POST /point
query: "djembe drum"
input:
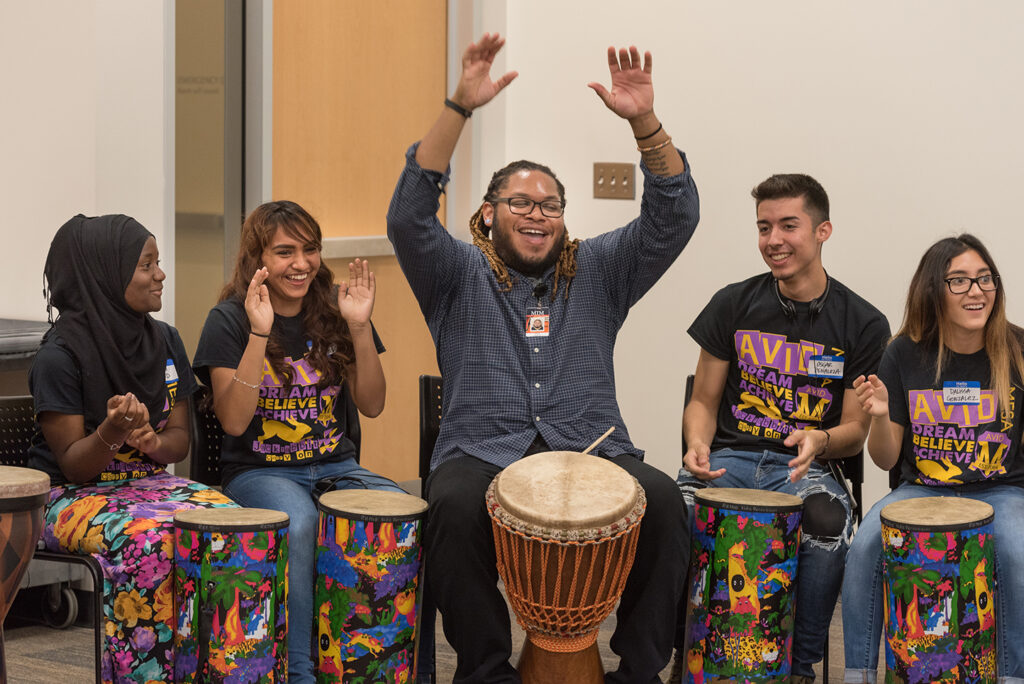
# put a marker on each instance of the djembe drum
(938, 560)
(367, 585)
(23, 494)
(231, 595)
(743, 569)
(565, 533)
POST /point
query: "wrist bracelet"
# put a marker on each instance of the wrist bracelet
(243, 382)
(466, 113)
(654, 148)
(253, 332)
(113, 447)
(649, 135)
(828, 442)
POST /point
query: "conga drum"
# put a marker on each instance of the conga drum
(231, 595)
(368, 558)
(743, 567)
(938, 560)
(565, 533)
(23, 494)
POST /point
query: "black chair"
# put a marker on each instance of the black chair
(849, 472)
(17, 424)
(207, 435)
(430, 425)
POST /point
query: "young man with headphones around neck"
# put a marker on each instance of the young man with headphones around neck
(773, 391)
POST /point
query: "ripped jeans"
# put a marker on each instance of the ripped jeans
(827, 529)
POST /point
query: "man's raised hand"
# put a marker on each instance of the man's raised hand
(475, 86)
(632, 92)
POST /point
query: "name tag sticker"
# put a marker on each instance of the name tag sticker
(961, 392)
(825, 366)
(171, 373)
(538, 322)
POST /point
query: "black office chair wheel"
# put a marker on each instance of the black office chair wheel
(59, 606)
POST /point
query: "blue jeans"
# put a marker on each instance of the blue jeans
(862, 586)
(822, 547)
(290, 489)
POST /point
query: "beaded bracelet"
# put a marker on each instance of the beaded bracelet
(243, 382)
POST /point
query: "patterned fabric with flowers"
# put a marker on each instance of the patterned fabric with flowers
(129, 528)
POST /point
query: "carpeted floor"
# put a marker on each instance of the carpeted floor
(38, 654)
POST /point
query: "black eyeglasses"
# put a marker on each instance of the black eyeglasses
(963, 284)
(524, 205)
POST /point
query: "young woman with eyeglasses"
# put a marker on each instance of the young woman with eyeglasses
(955, 339)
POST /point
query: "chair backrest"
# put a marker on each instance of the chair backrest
(17, 424)
(430, 420)
(207, 435)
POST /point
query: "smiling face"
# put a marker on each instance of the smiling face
(292, 263)
(529, 243)
(145, 290)
(965, 315)
(790, 243)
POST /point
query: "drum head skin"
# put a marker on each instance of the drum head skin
(566, 490)
(372, 505)
(756, 500)
(22, 489)
(230, 519)
(937, 514)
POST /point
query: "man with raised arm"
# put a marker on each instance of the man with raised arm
(773, 395)
(513, 388)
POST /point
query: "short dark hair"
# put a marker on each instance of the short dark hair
(786, 185)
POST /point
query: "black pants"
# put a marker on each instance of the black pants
(462, 575)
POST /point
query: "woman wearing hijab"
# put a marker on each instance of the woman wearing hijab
(111, 386)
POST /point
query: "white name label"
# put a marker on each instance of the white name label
(962, 392)
(825, 366)
(171, 373)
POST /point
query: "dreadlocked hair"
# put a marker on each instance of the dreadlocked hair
(565, 268)
(332, 348)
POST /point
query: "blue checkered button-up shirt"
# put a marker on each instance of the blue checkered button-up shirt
(502, 388)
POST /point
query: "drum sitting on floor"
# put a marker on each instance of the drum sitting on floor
(938, 560)
(743, 568)
(565, 533)
(367, 584)
(230, 595)
(23, 494)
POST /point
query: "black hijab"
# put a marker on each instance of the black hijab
(119, 350)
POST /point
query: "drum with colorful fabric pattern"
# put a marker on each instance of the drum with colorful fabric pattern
(231, 595)
(367, 585)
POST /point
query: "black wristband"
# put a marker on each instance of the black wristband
(651, 135)
(253, 332)
(458, 108)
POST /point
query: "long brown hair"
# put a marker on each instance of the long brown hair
(332, 343)
(923, 320)
(565, 268)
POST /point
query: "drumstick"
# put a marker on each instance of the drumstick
(599, 439)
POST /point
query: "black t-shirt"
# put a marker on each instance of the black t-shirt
(787, 370)
(947, 443)
(293, 423)
(55, 381)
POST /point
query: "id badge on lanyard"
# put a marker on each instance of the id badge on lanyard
(538, 321)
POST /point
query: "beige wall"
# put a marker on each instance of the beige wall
(909, 114)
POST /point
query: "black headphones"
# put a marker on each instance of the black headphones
(815, 306)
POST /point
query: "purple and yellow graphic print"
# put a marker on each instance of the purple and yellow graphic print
(957, 443)
(367, 576)
(940, 623)
(744, 567)
(230, 596)
(296, 419)
(777, 395)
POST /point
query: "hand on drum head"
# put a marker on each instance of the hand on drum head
(809, 443)
(873, 396)
(698, 461)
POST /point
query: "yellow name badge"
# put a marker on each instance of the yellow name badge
(538, 322)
